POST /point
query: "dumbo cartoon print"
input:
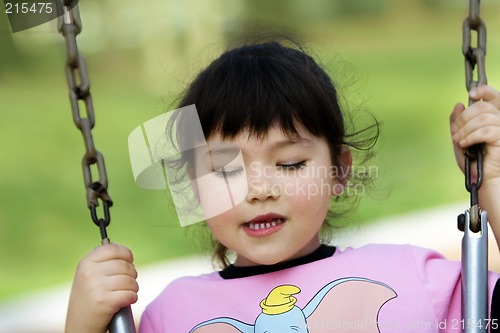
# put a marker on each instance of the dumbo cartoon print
(335, 308)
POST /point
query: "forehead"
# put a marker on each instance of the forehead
(274, 138)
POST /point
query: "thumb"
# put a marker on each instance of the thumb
(458, 109)
(454, 127)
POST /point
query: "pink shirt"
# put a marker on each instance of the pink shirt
(376, 288)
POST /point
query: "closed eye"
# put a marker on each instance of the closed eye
(292, 166)
(295, 328)
(225, 172)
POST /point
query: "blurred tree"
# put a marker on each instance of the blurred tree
(444, 4)
(299, 15)
(271, 15)
(360, 7)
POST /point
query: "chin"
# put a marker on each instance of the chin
(271, 262)
(261, 260)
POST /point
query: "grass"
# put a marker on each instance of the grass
(408, 78)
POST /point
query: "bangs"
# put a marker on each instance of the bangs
(257, 87)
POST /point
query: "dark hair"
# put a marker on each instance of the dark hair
(258, 85)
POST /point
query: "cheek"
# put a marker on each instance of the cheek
(309, 188)
(221, 226)
(309, 194)
(217, 195)
(216, 228)
(208, 192)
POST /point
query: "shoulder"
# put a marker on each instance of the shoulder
(393, 252)
(188, 301)
(186, 284)
(409, 261)
(174, 292)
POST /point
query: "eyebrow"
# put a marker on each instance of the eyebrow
(217, 158)
(223, 150)
(290, 142)
(276, 145)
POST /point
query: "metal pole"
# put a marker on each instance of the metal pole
(475, 276)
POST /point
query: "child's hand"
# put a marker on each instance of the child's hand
(478, 123)
(105, 282)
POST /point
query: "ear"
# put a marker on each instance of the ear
(217, 328)
(344, 171)
(348, 300)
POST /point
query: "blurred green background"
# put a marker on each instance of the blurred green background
(401, 60)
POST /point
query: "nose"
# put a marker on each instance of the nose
(262, 184)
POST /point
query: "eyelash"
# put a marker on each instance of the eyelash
(293, 166)
(225, 173)
(287, 167)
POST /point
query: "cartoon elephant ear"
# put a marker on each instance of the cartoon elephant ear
(348, 301)
(217, 328)
(223, 325)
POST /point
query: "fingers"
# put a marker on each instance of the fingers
(478, 123)
(111, 251)
(119, 291)
(105, 282)
(117, 267)
(487, 94)
(481, 127)
(108, 276)
(108, 260)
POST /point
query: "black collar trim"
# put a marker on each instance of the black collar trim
(234, 272)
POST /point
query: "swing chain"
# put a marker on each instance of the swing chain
(70, 25)
(474, 59)
(474, 55)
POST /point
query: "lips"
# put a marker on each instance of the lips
(264, 225)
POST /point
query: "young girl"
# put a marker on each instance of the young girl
(281, 110)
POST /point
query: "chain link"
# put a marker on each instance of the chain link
(474, 55)
(70, 25)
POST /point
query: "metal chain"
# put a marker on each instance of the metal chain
(474, 59)
(70, 25)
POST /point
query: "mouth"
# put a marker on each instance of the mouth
(263, 225)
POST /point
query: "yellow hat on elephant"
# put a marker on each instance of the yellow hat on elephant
(280, 300)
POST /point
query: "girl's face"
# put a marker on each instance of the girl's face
(266, 199)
